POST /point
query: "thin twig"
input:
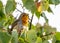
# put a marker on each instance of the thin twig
(47, 34)
(21, 6)
(31, 22)
(19, 10)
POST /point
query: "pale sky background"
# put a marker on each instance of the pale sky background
(54, 20)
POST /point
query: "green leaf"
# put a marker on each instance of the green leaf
(2, 19)
(2, 15)
(28, 3)
(39, 40)
(49, 29)
(54, 40)
(45, 41)
(57, 36)
(58, 41)
(31, 36)
(10, 6)
(39, 29)
(43, 15)
(4, 37)
(45, 5)
(50, 36)
(51, 1)
(23, 35)
(14, 37)
(49, 10)
(1, 6)
(9, 20)
(33, 9)
(33, 27)
(55, 2)
(1, 23)
(21, 40)
(38, 14)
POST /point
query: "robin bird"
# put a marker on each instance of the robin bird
(20, 23)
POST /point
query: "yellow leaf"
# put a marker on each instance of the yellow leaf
(40, 9)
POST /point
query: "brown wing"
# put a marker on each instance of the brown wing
(13, 25)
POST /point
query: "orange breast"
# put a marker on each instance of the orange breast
(25, 19)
